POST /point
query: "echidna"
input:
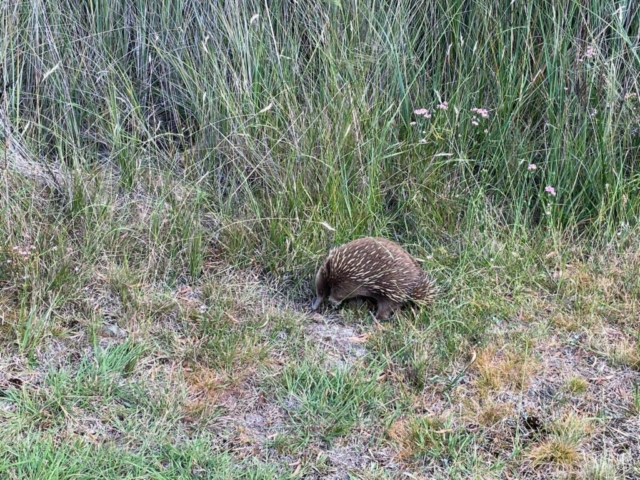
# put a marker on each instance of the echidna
(376, 268)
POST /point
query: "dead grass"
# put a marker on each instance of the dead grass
(508, 367)
(555, 453)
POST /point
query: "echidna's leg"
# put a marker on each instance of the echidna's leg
(385, 308)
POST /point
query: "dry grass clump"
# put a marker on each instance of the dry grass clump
(420, 436)
(487, 412)
(559, 445)
(619, 348)
(508, 367)
(554, 452)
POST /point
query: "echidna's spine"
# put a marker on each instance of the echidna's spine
(425, 291)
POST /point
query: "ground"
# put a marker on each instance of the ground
(231, 372)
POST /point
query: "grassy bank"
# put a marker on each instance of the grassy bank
(173, 172)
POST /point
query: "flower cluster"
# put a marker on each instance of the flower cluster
(483, 114)
(480, 114)
(423, 112)
(548, 189)
(480, 111)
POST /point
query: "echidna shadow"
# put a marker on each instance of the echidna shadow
(375, 268)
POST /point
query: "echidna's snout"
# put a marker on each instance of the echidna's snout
(316, 303)
(319, 299)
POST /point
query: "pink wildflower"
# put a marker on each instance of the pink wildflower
(532, 166)
(421, 111)
(481, 111)
(473, 122)
(550, 190)
(443, 105)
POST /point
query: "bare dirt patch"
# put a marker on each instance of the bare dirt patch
(341, 343)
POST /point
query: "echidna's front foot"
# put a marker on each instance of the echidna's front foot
(385, 308)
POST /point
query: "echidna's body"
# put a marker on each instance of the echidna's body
(376, 268)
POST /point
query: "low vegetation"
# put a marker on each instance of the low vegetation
(174, 172)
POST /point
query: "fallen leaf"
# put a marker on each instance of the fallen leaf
(360, 339)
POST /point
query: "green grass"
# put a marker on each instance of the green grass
(38, 457)
(172, 174)
(330, 403)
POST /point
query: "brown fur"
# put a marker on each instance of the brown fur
(376, 268)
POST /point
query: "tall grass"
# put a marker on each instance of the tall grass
(286, 115)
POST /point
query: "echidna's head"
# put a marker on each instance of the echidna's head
(323, 287)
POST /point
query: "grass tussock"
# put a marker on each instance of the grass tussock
(173, 173)
(497, 369)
